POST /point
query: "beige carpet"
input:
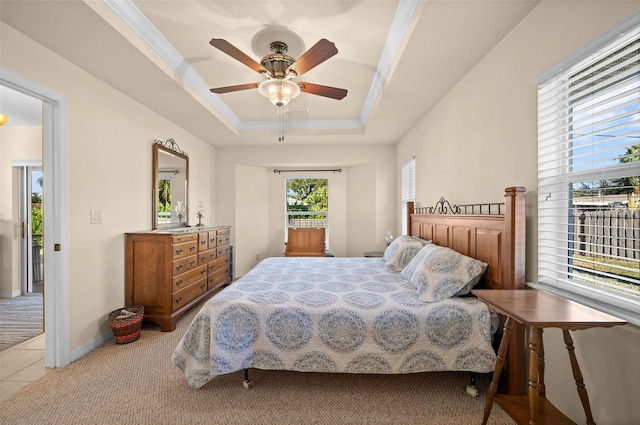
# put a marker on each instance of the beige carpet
(136, 384)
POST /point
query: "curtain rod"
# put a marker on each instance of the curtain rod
(334, 170)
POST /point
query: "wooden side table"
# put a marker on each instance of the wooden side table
(537, 310)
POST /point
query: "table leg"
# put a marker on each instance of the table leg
(534, 336)
(541, 387)
(502, 350)
(577, 375)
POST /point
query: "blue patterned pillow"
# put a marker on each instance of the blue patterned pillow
(400, 252)
(438, 273)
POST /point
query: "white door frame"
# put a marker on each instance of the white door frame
(25, 168)
(56, 215)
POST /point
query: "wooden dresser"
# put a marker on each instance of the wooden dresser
(168, 272)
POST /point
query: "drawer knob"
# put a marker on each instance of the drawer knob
(179, 282)
(203, 271)
(179, 251)
(191, 248)
(178, 300)
(192, 262)
(179, 267)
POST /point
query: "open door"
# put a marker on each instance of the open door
(31, 230)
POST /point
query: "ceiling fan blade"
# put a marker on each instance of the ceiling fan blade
(326, 91)
(228, 89)
(237, 54)
(318, 53)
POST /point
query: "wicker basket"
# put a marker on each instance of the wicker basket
(126, 328)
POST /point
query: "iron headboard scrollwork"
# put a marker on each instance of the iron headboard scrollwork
(444, 207)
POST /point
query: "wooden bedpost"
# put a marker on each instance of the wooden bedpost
(515, 232)
(514, 204)
(410, 209)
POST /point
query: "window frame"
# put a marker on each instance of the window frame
(287, 213)
(619, 305)
(407, 190)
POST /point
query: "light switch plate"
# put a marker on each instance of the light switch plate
(96, 217)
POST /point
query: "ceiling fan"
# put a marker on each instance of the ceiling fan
(280, 68)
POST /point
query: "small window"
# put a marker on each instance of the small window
(307, 203)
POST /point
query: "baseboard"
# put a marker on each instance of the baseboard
(90, 346)
(12, 294)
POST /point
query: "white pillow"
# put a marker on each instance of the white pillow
(424, 242)
(400, 252)
(438, 273)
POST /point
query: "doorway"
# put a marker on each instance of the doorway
(55, 215)
(21, 290)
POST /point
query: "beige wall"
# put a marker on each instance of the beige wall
(487, 127)
(110, 140)
(16, 144)
(359, 193)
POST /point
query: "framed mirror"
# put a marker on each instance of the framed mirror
(170, 185)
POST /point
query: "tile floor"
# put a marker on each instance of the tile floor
(20, 365)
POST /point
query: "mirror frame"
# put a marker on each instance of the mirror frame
(170, 147)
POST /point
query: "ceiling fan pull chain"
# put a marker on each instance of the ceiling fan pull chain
(281, 124)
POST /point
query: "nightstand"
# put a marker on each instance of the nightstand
(374, 254)
(537, 310)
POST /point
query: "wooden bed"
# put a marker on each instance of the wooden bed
(355, 315)
(494, 234)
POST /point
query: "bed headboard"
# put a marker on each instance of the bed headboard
(494, 234)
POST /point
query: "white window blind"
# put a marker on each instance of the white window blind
(408, 189)
(589, 178)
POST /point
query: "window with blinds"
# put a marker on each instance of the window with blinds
(589, 176)
(408, 189)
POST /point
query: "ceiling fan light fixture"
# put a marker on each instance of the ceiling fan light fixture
(279, 92)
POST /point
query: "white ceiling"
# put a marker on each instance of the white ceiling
(395, 58)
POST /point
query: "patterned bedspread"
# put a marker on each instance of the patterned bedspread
(321, 314)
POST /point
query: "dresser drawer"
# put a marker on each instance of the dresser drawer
(203, 241)
(189, 293)
(223, 239)
(221, 276)
(207, 256)
(213, 235)
(185, 279)
(183, 265)
(223, 250)
(185, 249)
(219, 263)
(211, 280)
(184, 238)
(224, 231)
